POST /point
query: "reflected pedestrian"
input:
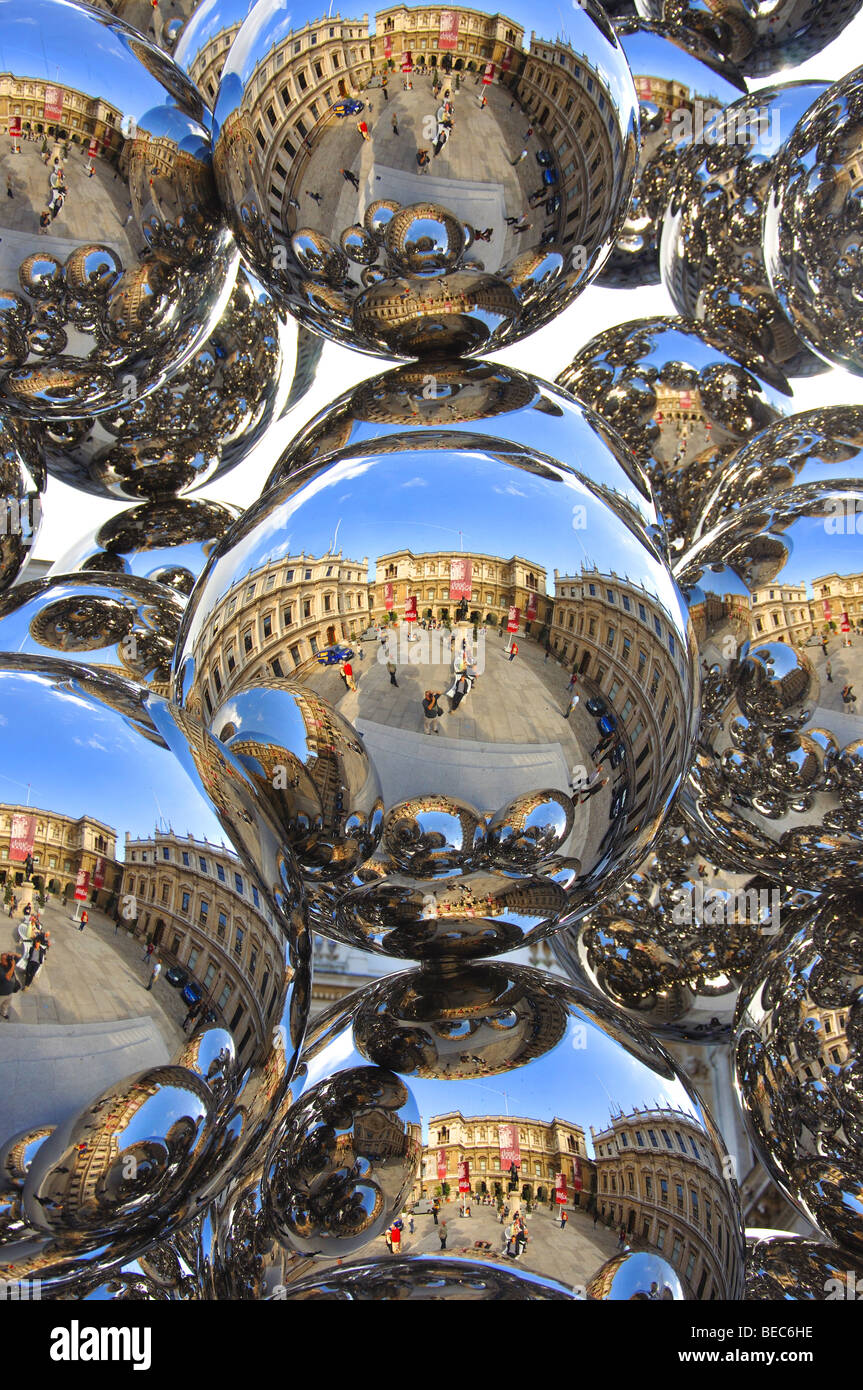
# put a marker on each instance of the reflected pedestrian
(442, 1234)
(395, 124)
(350, 177)
(432, 712)
(391, 667)
(155, 973)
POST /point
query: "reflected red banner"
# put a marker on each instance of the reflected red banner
(460, 578)
(560, 1190)
(512, 620)
(389, 599)
(530, 611)
(448, 35)
(53, 109)
(464, 1176)
(23, 837)
(82, 885)
(441, 1164)
(507, 1138)
(411, 609)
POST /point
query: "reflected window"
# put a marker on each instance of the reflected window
(222, 925)
(184, 905)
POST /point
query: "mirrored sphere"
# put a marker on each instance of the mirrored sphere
(681, 81)
(780, 1266)
(711, 259)
(417, 577)
(684, 397)
(167, 541)
(512, 1070)
(125, 625)
(438, 402)
(311, 769)
(809, 450)
(107, 761)
(344, 1163)
(426, 1279)
(673, 944)
(812, 225)
(773, 596)
(524, 129)
(762, 36)
(797, 1063)
(119, 228)
(255, 365)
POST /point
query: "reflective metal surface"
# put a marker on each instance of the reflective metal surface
(710, 255)
(254, 366)
(125, 625)
(516, 133)
(763, 36)
(115, 257)
(109, 1148)
(681, 81)
(684, 397)
(672, 946)
(22, 480)
(167, 540)
(781, 1267)
(773, 596)
(457, 402)
(797, 1062)
(805, 451)
(578, 1079)
(811, 225)
(343, 580)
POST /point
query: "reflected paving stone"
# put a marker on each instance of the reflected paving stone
(78, 732)
(443, 145)
(812, 225)
(774, 786)
(763, 36)
(130, 249)
(710, 255)
(797, 1065)
(684, 396)
(585, 794)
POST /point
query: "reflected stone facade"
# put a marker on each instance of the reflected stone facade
(545, 1149)
(64, 847)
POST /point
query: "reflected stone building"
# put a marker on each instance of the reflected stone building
(195, 900)
(277, 619)
(656, 1177)
(544, 1151)
(64, 847)
(496, 585)
(59, 113)
(619, 638)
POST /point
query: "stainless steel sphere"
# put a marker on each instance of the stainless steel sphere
(255, 365)
(522, 128)
(673, 944)
(762, 36)
(797, 1062)
(811, 450)
(681, 81)
(310, 768)
(812, 225)
(100, 753)
(684, 397)
(492, 1060)
(710, 254)
(167, 541)
(121, 146)
(344, 1163)
(349, 578)
(459, 400)
(123, 624)
(784, 1267)
(774, 596)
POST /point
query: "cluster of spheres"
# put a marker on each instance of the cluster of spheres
(375, 853)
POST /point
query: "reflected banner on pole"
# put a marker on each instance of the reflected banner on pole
(560, 1190)
(23, 837)
(82, 885)
(464, 1175)
(460, 578)
(509, 1150)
